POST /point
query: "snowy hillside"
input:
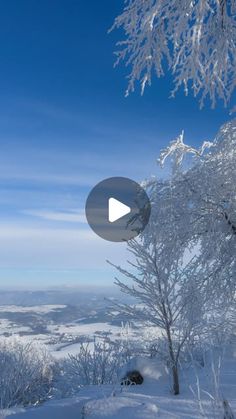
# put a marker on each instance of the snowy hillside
(150, 400)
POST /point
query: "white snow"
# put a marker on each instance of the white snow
(89, 329)
(150, 400)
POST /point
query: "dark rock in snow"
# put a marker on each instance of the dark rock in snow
(132, 378)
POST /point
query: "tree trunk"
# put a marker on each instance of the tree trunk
(174, 361)
(175, 376)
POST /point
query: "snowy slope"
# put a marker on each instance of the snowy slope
(150, 400)
(99, 403)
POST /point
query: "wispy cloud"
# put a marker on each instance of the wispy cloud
(72, 216)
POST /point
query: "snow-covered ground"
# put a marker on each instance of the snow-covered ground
(150, 400)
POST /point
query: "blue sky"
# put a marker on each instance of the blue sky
(65, 125)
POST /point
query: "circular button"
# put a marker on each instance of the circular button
(118, 209)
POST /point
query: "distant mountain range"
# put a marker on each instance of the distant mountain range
(68, 296)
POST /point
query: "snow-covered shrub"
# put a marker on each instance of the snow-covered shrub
(25, 374)
(207, 384)
(95, 364)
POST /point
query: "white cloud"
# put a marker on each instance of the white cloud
(72, 216)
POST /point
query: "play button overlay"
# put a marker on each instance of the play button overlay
(118, 209)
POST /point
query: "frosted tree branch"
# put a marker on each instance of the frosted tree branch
(196, 40)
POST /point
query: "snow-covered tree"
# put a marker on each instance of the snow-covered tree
(165, 288)
(204, 206)
(185, 269)
(195, 39)
(202, 195)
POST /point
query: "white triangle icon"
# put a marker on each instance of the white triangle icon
(117, 210)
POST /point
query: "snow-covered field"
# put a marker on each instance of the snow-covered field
(46, 324)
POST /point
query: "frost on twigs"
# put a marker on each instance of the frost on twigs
(178, 149)
(196, 40)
